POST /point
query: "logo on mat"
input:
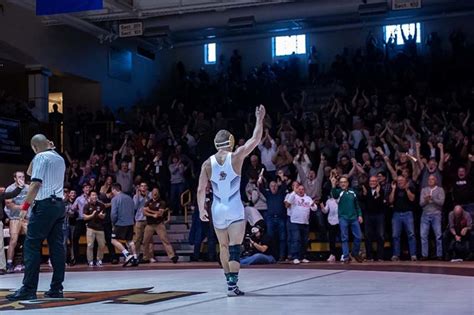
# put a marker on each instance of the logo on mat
(222, 175)
(141, 296)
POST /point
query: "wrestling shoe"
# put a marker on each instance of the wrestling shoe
(21, 295)
(128, 260)
(234, 291)
(10, 268)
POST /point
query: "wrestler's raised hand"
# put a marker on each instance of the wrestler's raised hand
(260, 113)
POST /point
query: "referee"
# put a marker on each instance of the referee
(46, 221)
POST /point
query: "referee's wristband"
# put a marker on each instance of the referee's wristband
(25, 206)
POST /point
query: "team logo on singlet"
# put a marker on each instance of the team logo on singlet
(222, 175)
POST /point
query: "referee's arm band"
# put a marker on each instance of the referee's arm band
(37, 180)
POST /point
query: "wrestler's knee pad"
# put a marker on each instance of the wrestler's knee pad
(234, 253)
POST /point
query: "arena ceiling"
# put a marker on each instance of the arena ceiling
(176, 21)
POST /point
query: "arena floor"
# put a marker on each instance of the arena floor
(316, 288)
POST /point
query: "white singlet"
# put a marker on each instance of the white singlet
(227, 204)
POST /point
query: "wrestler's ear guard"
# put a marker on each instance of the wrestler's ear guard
(226, 144)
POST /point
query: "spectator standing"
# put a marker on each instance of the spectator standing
(300, 206)
(106, 199)
(268, 149)
(141, 197)
(402, 197)
(350, 216)
(69, 222)
(124, 175)
(80, 229)
(431, 201)
(463, 189)
(373, 200)
(94, 215)
(177, 181)
(331, 209)
(157, 215)
(432, 167)
(122, 215)
(275, 218)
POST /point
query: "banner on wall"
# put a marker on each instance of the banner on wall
(406, 4)
(10, 136)
(49, 7)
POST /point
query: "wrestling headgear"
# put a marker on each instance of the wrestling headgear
(224, 140)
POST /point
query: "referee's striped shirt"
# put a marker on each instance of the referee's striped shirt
(48, 169)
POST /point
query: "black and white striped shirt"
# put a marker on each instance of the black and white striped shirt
(48, 169)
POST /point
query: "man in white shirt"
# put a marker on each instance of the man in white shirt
(46, 221)
(300, 206)
(294, 187)
(268, 149)
(331, 209)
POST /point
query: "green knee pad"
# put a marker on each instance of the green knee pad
(234, 253)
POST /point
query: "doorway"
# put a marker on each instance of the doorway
(58, 132)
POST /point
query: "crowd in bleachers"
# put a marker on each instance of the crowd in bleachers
(387, 156)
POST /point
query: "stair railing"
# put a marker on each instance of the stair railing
(186, 200)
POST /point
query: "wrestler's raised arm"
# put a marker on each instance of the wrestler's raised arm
(243, 151)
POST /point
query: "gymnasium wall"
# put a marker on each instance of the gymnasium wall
(329, 42)
(68, 51)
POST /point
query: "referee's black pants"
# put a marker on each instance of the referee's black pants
(46, 222)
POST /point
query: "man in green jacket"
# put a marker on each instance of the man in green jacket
(350, 215)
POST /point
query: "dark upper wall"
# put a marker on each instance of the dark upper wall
(67, 50)
(329, 42)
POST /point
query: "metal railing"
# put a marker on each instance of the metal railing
(186, 200)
